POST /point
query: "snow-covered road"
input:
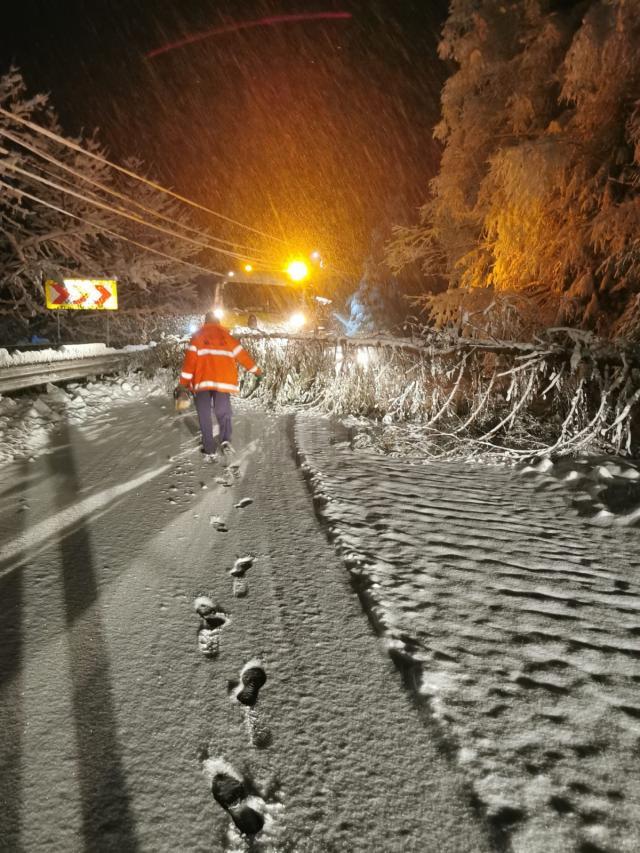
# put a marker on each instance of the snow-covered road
(514, 597)
(106, 701)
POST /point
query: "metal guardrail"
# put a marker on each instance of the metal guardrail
(18, 376)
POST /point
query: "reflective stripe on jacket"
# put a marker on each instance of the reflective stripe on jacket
(210, 361)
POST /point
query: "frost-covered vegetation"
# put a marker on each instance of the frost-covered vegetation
(568, 392)
(64, 234)
(538, 195)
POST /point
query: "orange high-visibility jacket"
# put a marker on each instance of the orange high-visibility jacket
(210, 361)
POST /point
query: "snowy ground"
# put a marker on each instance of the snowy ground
(513, 598)
(28, 420)
(111, 525)
(508, 599)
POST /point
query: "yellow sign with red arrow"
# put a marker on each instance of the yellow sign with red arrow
(78, 294)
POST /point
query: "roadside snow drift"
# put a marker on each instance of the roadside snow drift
(519, 616)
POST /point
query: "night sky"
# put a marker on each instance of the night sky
(320, 131)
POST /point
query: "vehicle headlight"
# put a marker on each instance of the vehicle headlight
(296, 321)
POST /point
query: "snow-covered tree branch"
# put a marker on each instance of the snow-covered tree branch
(566, 393)
(540, 174)
(72, 231)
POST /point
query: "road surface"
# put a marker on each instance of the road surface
(106, 701)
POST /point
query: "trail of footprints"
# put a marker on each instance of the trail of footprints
(252, 812)
(236, 794)
(179, 493)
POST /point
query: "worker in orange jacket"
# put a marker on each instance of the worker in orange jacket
(210, 371)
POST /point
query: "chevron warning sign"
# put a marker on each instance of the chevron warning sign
(94, 294)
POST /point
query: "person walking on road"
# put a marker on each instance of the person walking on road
(210, 371)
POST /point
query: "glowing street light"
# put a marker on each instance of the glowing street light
(230, 274)
(248, 268)
(218, 312)
(297, 270)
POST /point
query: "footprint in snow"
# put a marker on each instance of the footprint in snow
(243, 503)
(252, 678)
(242, 566)
(246, 693)
(238, 572)
(235, 470)
(212, 621)
(224, 481)
(231, 791)
(240, 588)
(218, 523)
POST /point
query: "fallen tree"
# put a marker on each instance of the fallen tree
(568, 392)
(442, 397)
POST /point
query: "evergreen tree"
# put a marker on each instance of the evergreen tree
(538, 187)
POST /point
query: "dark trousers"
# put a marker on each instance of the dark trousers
(209, 403)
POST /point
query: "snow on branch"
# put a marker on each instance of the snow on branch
(561, 394)
(57, 218)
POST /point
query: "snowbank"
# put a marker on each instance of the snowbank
(516, 617)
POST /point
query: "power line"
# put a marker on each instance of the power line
(122, 196)
(95, 225)
(133, 217)
(62, 141)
